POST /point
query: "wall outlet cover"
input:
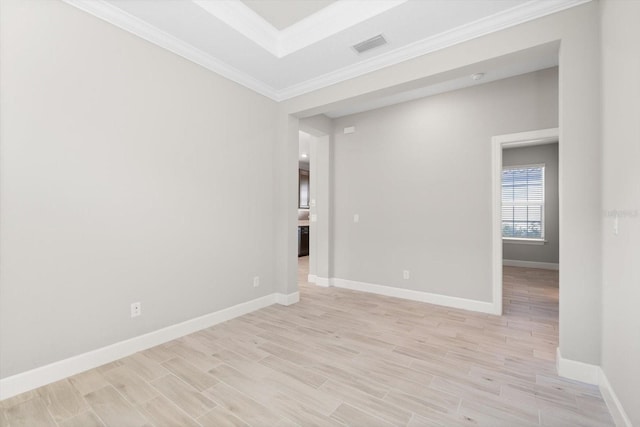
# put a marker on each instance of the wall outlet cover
(136, 309)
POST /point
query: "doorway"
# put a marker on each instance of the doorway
(521, 216)
(305, 197)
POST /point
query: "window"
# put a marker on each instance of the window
(523, 202)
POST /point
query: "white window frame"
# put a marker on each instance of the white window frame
(528, 240)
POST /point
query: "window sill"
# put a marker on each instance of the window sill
(524, 241)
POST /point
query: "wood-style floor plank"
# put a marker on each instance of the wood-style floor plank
(339, 358)
(163, 413)
(62, 400)
(184, 396)
(114, 410)
(29, 413)
(85, 419)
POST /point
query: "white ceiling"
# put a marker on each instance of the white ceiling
(284, 13)
(284, 48)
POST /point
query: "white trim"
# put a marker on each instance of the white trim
(517, 15)
(498, 142)
(574, 370)
(329, 21)
(320, 281)
(534, 137)
(616, 409)
(325, 23)
(593, 374)
(116, 16)
(516, 241)
(525, 12)
(244, 20)
(496, 218)
(288, 299)
(438, 299)
(56, 371)
(531, 264)
(525, 166)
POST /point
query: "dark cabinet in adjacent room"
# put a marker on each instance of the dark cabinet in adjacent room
(303, 240)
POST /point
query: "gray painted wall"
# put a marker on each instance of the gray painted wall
(419, 176)
(576, 30)
(547, 154)
(124, 178)
(621, 188)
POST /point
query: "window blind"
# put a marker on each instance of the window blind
(523, 202)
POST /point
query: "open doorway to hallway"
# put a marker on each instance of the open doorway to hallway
(525, 204)
(305, 202)
(530, 239)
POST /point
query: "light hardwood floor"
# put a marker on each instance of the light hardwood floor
(339, 358)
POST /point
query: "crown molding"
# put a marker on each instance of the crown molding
(241, 18)
(329, 21)
(116, 16)
(325, 23)
(528, 11)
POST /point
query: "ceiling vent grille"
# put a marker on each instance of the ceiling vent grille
(368, 44)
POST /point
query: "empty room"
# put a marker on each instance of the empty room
(319, 212)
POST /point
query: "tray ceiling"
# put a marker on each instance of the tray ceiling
(285, 48)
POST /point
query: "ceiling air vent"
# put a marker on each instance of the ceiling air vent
(370, 43)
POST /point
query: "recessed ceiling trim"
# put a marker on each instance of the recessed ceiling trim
(244, 20)
(499, 21)
(323, 24)
(331, 20)
(116, 16)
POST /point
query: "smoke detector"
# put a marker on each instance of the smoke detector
(477, 76)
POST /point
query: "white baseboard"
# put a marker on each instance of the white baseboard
(530, 264)
(288, 299)
(56, 371)
(574, 370)
(618, 413)
(445, 300)
(593, 374)
(320, 281)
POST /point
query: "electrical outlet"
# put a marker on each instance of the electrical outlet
(136, 309)
(256, 281)
(406, 274)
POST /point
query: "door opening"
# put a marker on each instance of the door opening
(519, 212)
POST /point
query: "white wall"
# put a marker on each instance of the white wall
(127, 174)
(576, 31)
(621, 188)
(549, 251)
(418, 174)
